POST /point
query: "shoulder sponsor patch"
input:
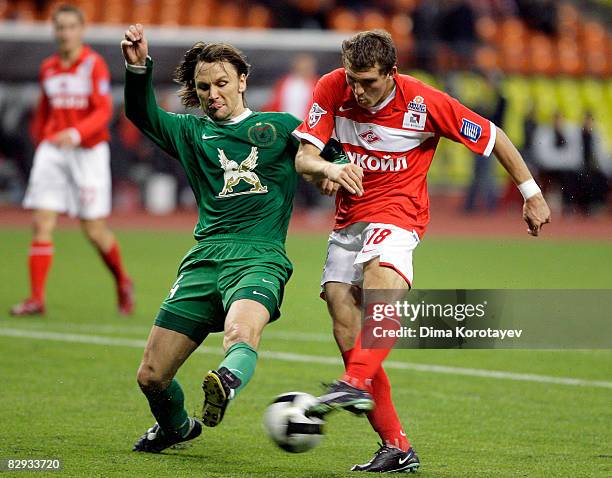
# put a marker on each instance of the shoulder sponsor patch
(414, 120)
(314, 115)
(470, 130)
(417, 104)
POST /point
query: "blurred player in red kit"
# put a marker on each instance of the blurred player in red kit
(389, 125)
(71, 170)
(293, 92)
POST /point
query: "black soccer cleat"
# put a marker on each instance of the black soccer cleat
(342, 396)
(218, 386)
(154, 441)
(391, 460)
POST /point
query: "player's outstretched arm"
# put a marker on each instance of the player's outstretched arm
(535, 210)
(141, 107)
(309, 164)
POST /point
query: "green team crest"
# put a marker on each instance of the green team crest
(235, 173)
(262, 134)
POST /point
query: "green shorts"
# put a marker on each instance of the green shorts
(218, 271)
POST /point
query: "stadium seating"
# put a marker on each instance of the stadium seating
(582, 46)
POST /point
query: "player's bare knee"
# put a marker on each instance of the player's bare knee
(149, 379)
(236, 333)
(42, 235)
(42, 228)
(93, 231)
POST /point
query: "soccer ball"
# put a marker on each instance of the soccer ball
(288, 426)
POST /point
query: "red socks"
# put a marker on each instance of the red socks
(112, 259)
(363, 365)
(41, 256)
(383, 418)
(371, 347)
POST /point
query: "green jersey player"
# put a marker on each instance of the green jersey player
(240, 165)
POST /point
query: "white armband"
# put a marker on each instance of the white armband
(529, 188)
(138, 69)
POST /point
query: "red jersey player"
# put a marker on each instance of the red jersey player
(71, 170)
(389, 126)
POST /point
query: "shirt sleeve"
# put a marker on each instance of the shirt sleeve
(318, 126)
(100, 101)
(163, 128)
(334, 153)
(458, 123)
(39, 119)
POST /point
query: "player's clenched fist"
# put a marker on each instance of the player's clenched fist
(347, 175)
(134, 45)
(536, 213)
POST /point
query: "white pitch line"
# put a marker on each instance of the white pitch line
(291, 357)
(144, 330)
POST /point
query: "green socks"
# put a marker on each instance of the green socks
(168, 409)
(168, 406)
(240, 360)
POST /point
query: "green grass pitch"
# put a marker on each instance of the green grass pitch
(61, 398)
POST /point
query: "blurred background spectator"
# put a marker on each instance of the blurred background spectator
(457, 30)
(293, 93)
(492, 105)
(558, 158)
(595, 171)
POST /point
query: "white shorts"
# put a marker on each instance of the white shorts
(349, 248)
(75, 181)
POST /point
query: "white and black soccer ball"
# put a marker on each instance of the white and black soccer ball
(288, 426)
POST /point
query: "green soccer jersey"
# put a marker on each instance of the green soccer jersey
(241, 171)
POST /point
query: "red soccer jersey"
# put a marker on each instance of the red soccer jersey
(393, 143)
(77, 96)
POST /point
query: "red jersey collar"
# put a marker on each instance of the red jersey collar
(400, 102)
(85, 51)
